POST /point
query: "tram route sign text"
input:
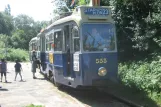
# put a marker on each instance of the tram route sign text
(96, 11)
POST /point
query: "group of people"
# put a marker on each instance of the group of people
(18, 68)
(3, 69)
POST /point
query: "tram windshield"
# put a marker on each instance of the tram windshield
(98, 37)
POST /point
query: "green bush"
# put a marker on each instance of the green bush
(13, 54)
(142, 75)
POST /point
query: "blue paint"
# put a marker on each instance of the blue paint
(43, 60)
(58, 60)
(90, 68)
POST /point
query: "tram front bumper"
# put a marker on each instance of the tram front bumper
(104, 83)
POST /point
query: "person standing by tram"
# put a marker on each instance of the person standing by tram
(34, 63)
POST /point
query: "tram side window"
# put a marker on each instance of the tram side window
(47, 43)
(58, 41)
(30, 47)
(76, 39)
(42, 44)
(48, 46)
(34, 46)
(38, 45)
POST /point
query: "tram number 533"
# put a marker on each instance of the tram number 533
(101, 61)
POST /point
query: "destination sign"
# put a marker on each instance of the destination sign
(96, 11)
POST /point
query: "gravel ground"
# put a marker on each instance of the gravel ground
(42, 92)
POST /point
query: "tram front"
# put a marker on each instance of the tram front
(99, 64)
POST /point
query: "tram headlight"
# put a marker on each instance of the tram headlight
(102, 71)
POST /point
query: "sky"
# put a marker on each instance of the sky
(39, 10)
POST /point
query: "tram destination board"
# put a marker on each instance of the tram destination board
(96, 11)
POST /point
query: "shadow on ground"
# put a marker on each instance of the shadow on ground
(3, 89)
(94, 98)
(8, 82)
(131, 94)
(41, 78)
(22, 81)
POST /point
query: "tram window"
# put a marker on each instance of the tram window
(76, 39)
(30, 48)
(76, 45)
(34, 46)
(42, 44)
(48, 47)
(58, 41)
(98, 37)
(38, 44)
(49, 41)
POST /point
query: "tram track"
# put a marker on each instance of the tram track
(97, 96)
(123, 100)
(94, 97)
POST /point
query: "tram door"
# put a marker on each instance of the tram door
(72, 45)
(67, 37)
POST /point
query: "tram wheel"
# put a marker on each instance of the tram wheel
(54, 82)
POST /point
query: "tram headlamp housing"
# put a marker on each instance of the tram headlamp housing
(102, 71)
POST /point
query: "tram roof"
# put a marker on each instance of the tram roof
(33, 39)
(64, 20)
(79, 16)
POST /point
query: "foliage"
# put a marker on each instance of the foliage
(138, 27)
(13, 54)
(25, 28)
(32, 105)
(18, 31)
(60, 9)
(82, 2)
(3, 40)
(142, 75)
(6, 24)
(8, 9)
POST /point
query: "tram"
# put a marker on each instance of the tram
(33, 46)
(80, 49)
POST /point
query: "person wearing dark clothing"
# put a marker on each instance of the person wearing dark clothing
(18, 69)
(0, 71)
(34, 64)
(3, 69)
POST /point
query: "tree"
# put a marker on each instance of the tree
(25, 29)
(3, 40)
(138, 27)
(60, 9)
(18, 39)
(6, 24)
(8, 10)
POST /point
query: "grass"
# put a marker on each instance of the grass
(32, 105)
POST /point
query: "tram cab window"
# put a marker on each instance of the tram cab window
(98, 37)
(58, 41)
(76, 39)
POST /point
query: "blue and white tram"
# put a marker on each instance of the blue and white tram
(80, 50)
